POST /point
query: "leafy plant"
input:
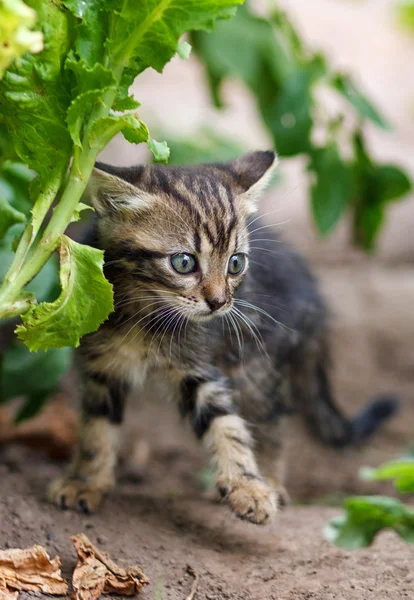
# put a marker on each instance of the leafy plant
(284, 76)
(366, 516)
(16, 37)
(58, 111)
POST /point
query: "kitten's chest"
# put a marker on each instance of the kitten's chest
(133, 355)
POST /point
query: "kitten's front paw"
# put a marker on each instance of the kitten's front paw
(251, 500)
(71, 493)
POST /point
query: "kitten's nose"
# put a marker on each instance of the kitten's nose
(215, 303)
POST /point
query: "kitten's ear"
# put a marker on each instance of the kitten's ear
(254, 172)
(112, 196)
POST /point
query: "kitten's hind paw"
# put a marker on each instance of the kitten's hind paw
(251, 500)
(71, 493)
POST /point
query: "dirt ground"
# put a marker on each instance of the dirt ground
(164, 521)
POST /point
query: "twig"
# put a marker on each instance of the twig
(196, 576)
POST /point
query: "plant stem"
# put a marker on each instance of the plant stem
(40, 210)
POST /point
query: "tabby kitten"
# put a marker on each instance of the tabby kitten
(233, 319)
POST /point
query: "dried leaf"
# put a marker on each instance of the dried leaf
(97, 574)
(53, 430)
(30, 570)
(6, 594)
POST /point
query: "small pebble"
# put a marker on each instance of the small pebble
(101, 539)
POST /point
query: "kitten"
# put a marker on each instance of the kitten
(233, 319)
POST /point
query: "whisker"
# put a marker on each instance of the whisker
(263, 312)
(249, 324)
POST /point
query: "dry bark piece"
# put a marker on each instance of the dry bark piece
(97, 574)
(30, 570)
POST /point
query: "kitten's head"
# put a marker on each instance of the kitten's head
(179, 234)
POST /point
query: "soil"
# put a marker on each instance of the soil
(161, 520)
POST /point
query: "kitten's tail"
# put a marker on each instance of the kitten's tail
(328, 423)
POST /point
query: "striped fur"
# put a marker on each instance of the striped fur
(236, 347)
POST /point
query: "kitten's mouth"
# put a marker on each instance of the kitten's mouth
(208, 315)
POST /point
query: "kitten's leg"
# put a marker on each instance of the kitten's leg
(230, 447)
(270, 456)
(91, 472)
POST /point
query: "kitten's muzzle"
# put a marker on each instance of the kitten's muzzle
(215, 303)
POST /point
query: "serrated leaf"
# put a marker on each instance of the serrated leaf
(104, 129)
(92, 28)
(345, 86)
(8, 216)
(16, 37)
(34, 98)
(365, 517)
(160, 150)
(333, 189)
(124, 101)
(146, 34)
(81, 207)
(84, 303)
(96, 77)
(80, 107)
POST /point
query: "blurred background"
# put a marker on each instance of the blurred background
(330, 84)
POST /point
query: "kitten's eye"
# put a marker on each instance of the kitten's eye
(184, 263)
(237, 264)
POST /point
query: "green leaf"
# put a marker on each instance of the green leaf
(160, 150)
(42, 371)
(89, 78)
(123, 101)
(402, 471)
(8, 216)
(15, 180)
(376, 185)
(204, 147)
(345, 86)
(333, 189)
(16, 20)
(147, 34)
(184, 50)
(34, 97)
(292, 120)
(247, 48)
(393, 183)
(81, 207)
(80, 107)
(91, 28)
(365, 517)
(84, 303)
(104, 129)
